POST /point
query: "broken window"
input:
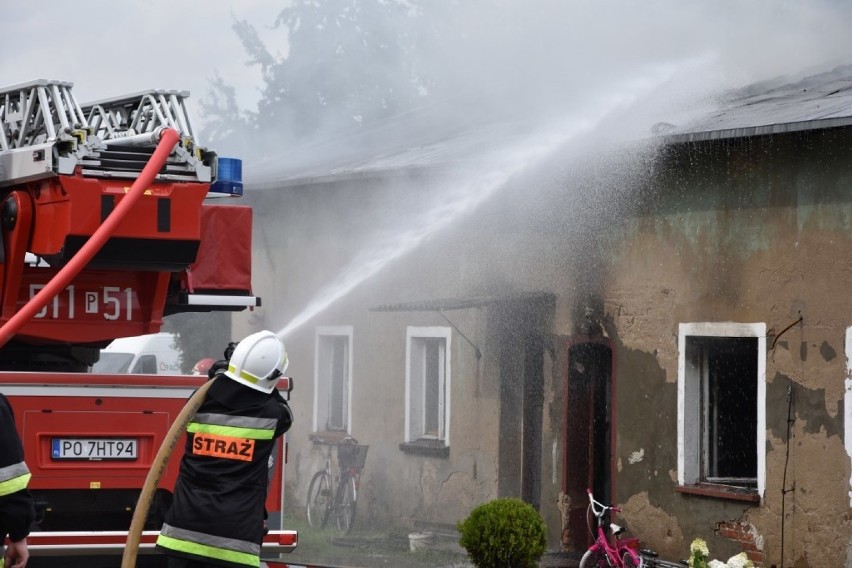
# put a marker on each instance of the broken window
(427, 384)
(332, 383)
(721, 394)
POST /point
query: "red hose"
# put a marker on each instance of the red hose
(168, 138)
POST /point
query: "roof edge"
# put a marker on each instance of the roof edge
(746, 132)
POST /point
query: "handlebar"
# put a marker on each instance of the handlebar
(598, 508)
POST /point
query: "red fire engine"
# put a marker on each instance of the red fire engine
(105, 229)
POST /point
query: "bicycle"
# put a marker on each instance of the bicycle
(652, 560)
(321, 503)
(621, 553)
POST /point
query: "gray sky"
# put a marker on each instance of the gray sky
(114, 47)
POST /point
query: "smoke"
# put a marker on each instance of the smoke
(536, 61)
(479, 62)
(546, 63)
(496, 58)
(551, 52)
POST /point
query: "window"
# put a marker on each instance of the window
(146, 365)
(427, 385)
(721, 406)
(332, 379)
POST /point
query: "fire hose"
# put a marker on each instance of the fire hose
(143, 504)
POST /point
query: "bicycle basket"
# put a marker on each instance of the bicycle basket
(352, 455)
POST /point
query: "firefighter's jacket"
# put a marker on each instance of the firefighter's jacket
(16, 503)
(217, 511)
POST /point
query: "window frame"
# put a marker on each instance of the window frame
(332, 331)
(689, 403)
(432, 332)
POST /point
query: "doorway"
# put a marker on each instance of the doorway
(588, 434)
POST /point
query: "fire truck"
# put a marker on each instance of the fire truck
(107, 226)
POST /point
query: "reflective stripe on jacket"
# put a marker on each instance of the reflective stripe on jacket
(209, 546)
(14, 478)
(16, 504)
(234, 426)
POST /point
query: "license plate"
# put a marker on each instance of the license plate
(94, 448)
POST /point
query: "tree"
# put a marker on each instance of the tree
(350, 63)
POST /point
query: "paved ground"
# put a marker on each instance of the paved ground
(383, 550)
(550, 560)
(560, 560)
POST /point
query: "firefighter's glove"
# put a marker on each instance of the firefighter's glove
(217, 368)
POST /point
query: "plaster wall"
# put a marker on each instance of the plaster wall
(308, 237)
(754, 232)
(751, 232)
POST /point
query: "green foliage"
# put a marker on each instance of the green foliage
(349, 63)
(504, 533)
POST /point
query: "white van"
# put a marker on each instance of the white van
(152, 354)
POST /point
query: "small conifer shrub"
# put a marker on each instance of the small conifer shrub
(503, 533)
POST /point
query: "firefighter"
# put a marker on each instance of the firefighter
(217, 517)
(203, 366)
(16, 504)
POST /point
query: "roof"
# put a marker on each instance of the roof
(816, 102)
(398, 147)
(447, 304)
(423, 141)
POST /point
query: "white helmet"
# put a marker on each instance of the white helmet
(258, 361)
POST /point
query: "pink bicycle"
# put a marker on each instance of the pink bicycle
(621, 553)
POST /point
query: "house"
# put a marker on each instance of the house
(665, 322)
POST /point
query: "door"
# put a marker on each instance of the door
(588, 435)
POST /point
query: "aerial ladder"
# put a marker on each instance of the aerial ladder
(90, 270)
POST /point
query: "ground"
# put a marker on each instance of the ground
(379, 550)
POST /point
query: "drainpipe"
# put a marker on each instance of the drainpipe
(168, 138)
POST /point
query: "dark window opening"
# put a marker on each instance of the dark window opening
(728, 390)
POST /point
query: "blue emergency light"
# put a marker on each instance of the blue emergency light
(229, 176)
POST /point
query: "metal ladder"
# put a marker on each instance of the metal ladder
(37, 112)
(139, 113)
(44, 132)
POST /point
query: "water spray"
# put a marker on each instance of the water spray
(473, 191)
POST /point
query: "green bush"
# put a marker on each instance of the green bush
(503, 533)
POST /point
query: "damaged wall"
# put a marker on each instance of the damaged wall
(742, 231)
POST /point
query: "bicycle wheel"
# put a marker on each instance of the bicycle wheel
(627, 561)
(319, 499)
(593, 559)
(346, 504)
